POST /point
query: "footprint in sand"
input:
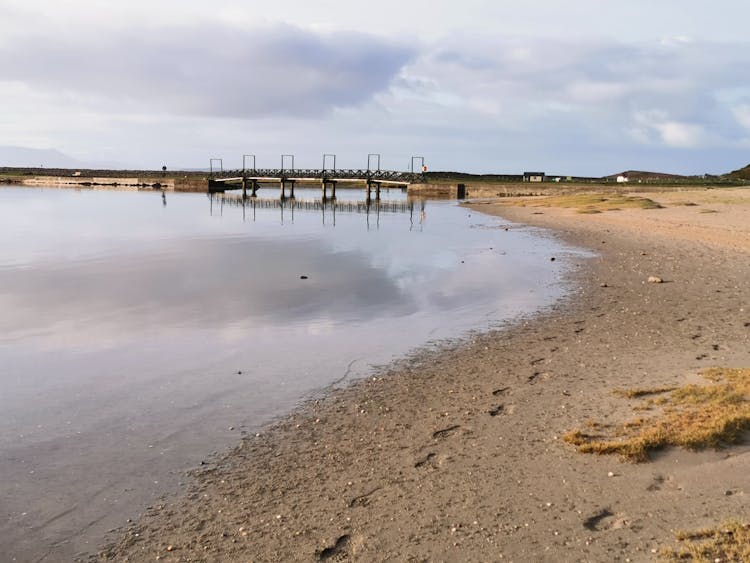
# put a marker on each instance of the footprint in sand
(597, 522)
(339, 551)
(445, 432)
(363, 500)
(656, 484)
(496, 410)
(605, 519)
(426, 460)
(430, 460)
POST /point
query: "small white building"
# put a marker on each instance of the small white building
(533, 176)
(622, 178)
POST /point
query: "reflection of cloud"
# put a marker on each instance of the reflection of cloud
(200, 284)
(494, 281)
(241, 287)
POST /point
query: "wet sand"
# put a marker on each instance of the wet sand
(456, 455)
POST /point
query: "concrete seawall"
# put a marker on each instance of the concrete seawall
(135, 183)
(184, 184)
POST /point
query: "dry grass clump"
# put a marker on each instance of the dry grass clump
(729, 542)
(692, 416)
(641, 392)
(596, 203)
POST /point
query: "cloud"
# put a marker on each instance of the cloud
(524, 83)
(742, 115)
(213, 70)
(656, 127)
(682, 135)
(469, 101)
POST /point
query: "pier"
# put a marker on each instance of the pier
(249, 181)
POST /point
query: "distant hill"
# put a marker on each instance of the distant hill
(641, 175)
(37, 158)
(741, 174)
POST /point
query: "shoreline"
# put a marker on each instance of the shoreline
(441, 187)
(459, 458)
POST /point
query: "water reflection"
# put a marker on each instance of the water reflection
(134, 334)
(207, 283)
(326, 207)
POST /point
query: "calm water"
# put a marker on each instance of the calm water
(139, 334)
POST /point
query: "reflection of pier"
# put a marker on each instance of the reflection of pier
(338, 206)
(324, 206)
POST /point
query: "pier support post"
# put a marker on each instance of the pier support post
(254, 188)
(377, 191)
(283, 188)
(326, 183)
(244, 188)
(291, 189)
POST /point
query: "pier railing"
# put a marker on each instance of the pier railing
(277, 174)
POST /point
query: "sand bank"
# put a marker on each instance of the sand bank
(457, 456)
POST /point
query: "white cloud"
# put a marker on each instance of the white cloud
(426, 19)
(742, 115)
(188, 80)
(676, 41)
(590, 91)
(655, 126)
(681, 135)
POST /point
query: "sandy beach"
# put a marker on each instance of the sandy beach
(457, 455)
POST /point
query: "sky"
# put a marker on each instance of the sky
(569, 87)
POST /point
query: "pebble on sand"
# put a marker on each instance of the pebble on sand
(655, 279)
